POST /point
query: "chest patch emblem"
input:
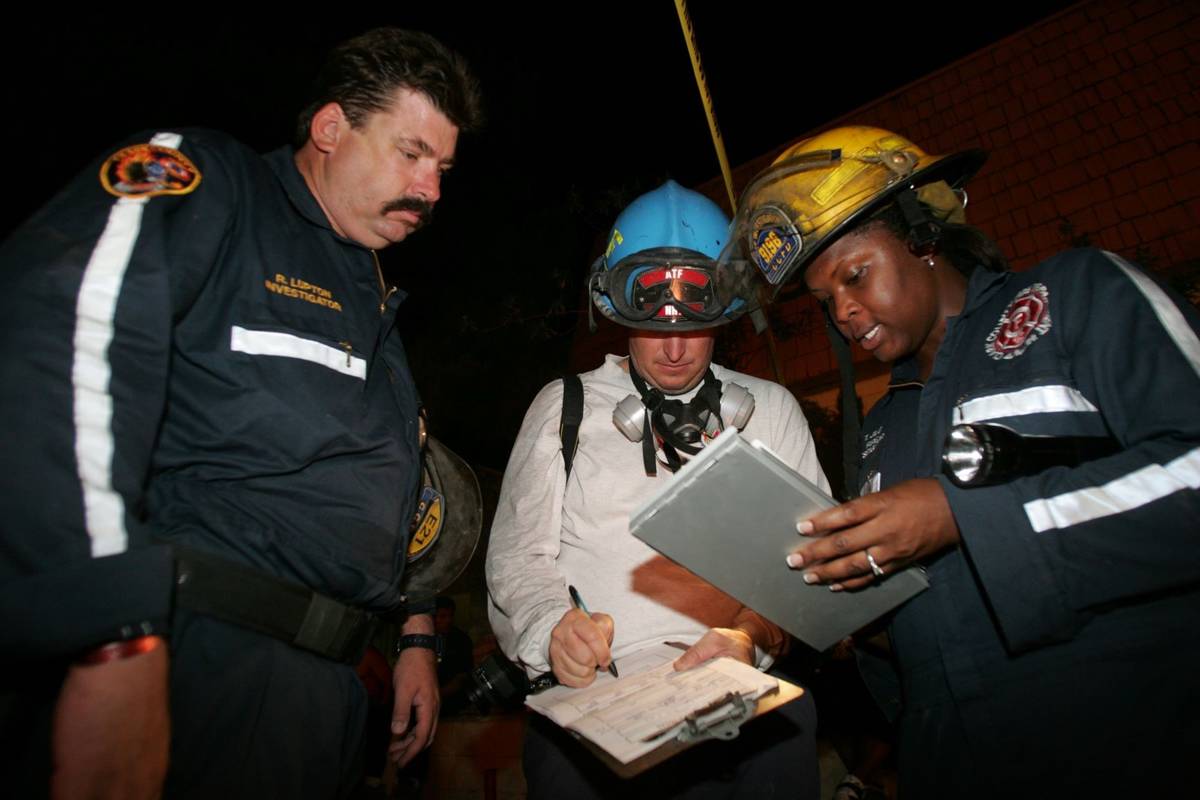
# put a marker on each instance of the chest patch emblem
(148, 170)
(1026, 319)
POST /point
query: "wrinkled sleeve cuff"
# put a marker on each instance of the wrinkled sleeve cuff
(420, 605)
(83, 604)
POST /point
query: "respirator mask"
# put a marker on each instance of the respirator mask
(679, 428)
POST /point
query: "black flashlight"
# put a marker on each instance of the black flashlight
(989, 454)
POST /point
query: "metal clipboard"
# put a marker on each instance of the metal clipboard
(730, 517)
(723, 722)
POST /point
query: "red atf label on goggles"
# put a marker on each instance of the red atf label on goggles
(664, 290)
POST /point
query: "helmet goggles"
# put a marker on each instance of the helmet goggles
(669, 285)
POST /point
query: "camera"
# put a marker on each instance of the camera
(501, 683)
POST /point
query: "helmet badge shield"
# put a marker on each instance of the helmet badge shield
(775, 242)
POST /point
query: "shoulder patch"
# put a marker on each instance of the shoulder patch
(1026, 319)
(148, 170)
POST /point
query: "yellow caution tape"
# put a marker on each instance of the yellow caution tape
(689, 36)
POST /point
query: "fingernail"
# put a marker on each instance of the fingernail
(810, 577)
(835, 587)
(804, 526)
(795, 560)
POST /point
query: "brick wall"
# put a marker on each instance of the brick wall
(1092, 122)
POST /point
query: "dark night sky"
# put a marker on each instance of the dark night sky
(596, 106)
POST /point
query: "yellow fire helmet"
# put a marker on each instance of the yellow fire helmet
(824, 186)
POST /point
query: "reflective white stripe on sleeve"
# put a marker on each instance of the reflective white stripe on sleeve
(104, 510)
(1034, 400)
(1116, 497)
(91, 372)
(171, 140)
(1167, 312)
(286, 345)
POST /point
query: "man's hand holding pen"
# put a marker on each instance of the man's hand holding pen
(579, 644)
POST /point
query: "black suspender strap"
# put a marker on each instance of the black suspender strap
(572, 417)
(851, 416)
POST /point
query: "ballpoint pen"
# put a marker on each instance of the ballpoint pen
(578, 602)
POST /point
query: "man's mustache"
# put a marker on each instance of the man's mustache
(417, 205)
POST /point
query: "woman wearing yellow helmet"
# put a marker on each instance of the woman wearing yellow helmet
(1058, 583)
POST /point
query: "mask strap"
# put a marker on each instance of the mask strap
(674, 462)
(709, 396)
(651, 399)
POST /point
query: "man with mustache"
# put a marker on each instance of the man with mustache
(214, 459)
(422, 208)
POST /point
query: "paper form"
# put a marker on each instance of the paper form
(635, 714)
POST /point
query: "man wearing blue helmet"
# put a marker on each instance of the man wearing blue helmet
(643, 415)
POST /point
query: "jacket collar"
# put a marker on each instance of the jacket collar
(981, 285)
(283, 164)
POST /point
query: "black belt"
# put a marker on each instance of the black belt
(293, 613)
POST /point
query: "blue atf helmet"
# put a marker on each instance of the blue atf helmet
(660, 268)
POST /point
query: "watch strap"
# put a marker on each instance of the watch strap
(428, 641)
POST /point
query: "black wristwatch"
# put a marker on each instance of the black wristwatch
(429, 642)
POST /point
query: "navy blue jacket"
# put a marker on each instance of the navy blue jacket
(1073, 587)
(216, 368)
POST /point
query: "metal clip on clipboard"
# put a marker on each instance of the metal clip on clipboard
(720, 720)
